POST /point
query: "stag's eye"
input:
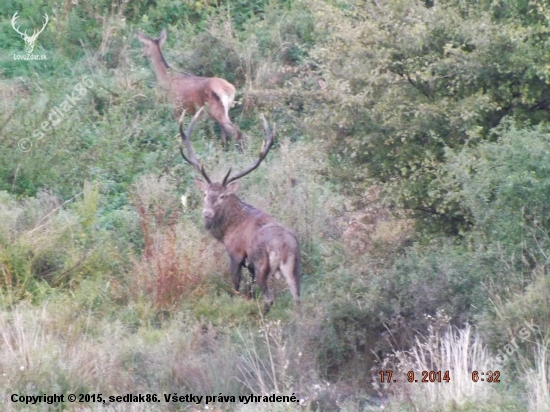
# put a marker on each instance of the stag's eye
(222, 197)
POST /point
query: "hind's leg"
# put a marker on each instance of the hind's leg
(224, 138)
(240, 140)
(230, 130)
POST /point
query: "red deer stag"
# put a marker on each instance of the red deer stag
(251, 237)
(190, 92)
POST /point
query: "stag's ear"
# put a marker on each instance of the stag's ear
(199, 184)
(162, 37)
(143, 38)
(232, 188)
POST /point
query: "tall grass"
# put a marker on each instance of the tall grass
(172, 265)
(445, 349)
(537, 379)
(109, 283)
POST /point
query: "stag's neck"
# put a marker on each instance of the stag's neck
(161, 69)
(232, 216)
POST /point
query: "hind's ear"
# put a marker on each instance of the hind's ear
(143, 37)
(162, 37)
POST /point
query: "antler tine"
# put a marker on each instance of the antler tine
(226, 177)
(44, 26)
(191, 159)
(13, 20)
(266, 145)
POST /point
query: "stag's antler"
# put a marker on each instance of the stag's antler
(191, 159)
(266, 145)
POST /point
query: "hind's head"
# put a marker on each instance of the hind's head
(151, 47)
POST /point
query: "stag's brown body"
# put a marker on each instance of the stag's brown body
(251, 237)
(189, 92)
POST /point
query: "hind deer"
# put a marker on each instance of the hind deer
(190, 92)
(251, 237)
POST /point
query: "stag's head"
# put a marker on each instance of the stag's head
(218, 196)
(29, 40)
(217, 199)
(151, 46)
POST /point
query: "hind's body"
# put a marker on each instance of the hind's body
(192, 92)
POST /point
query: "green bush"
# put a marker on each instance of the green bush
(380, 107)
(504, 188)
(406, 81)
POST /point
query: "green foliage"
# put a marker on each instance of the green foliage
(345, 339)
(522, 310)
(436, 111)
(504, 188)
(405, 82)
(45, 245)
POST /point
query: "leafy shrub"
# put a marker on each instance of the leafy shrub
(504, 187)
(406, 81)
(171, 265)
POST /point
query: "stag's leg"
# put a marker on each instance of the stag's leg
(249, 291)
(252, 271)
(235, 267)
(291, 273)
(262, 276)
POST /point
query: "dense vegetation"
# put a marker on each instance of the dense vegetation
(412, 160)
